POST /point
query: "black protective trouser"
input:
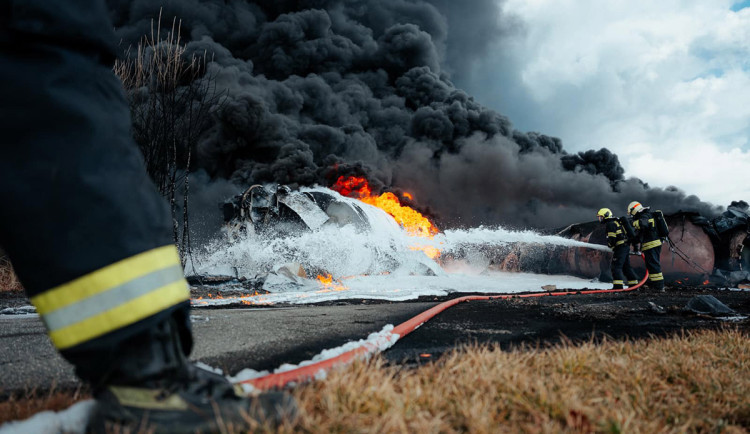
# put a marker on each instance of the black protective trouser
(622, 273)
(653, 265)
(86, 230)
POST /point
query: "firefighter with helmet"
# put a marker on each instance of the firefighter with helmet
(617, 240)
(647, 235)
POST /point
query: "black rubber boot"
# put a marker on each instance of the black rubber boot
(156, 389)
(617, 286)
(200, 403)
(658, 286)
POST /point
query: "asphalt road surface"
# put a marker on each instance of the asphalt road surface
(230, 339)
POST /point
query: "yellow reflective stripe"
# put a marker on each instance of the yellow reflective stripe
(112, 298)
(655, 277)
(632, 282)
(617, 282)
(621, 242)
(611, 234)
(105, 278)
(122, 315)
(149, 399)
(651, 244)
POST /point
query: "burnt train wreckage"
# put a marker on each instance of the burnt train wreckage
(699, 251)
(279, 209)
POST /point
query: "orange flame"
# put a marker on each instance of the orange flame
(329, 285)
(326, 280)
(255, 298)
(410, 219)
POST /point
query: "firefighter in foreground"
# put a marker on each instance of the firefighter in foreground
(89, 235)
(618, 241)
(648, 236)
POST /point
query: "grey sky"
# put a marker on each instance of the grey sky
(664, 85)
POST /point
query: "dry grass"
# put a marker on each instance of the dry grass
(25, 405)
(697, 382)
(8, 279)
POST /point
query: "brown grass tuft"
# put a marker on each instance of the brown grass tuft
(8, 279)
(24, 405)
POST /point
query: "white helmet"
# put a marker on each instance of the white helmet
(634, 208)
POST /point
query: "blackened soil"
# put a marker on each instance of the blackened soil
(547, 321)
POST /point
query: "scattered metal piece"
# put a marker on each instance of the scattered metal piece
(708, 305)
(656, 308)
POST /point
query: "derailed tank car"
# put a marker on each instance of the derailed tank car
(703, 251)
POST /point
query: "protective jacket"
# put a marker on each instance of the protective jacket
(86, 230)
(620, 267)
(615, 233)
(646, 233)
(645, 230)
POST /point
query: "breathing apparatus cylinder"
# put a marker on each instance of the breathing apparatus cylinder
(662, 229)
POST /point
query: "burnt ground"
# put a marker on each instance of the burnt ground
(546, 321)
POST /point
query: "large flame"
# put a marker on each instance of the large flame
(414, 223)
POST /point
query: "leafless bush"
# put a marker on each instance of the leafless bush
(171, 97)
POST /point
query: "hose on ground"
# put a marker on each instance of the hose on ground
(308, 372)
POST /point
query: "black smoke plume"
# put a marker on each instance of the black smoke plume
(317, 89)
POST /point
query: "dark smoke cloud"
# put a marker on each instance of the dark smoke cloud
(602, 162)
(322, 88)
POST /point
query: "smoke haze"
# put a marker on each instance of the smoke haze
(317, 89)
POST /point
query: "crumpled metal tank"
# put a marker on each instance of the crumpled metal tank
(279, 209)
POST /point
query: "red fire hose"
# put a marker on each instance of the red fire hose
(308, 372)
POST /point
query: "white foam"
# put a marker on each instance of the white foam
(379, 263)
(72, 420)
(374, 343)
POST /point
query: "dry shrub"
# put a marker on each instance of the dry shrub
(8, 279)
(172, 95)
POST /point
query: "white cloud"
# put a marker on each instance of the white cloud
(661, 84)
(714, 175)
